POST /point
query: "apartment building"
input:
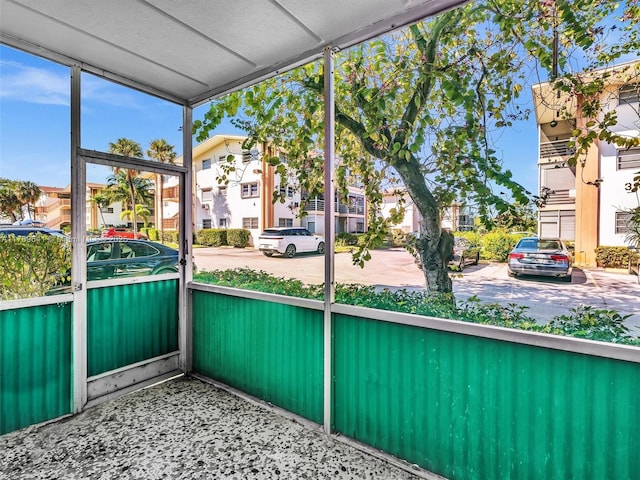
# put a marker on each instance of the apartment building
(245, 198)
(456, 217)
(587, 203)
(53, 208)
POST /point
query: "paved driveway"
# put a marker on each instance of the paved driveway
(395, 268)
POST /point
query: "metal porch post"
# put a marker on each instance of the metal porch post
(78, 250)
(329, 232)
(186, 235)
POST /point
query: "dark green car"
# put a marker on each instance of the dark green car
(118, 257)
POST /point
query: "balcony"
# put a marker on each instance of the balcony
(561, 197)
(317, 205)
(555, 150)
(390, 386)
(171, 193)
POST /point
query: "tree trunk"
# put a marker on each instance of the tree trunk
(132, 190)
(161, 208)
(434, 246)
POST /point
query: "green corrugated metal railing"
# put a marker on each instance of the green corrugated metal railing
(35, 365)
(474, 408)
(130, 323)
(269, 350)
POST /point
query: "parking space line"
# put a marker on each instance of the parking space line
(591, 278)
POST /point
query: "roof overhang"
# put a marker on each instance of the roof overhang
(189, 52)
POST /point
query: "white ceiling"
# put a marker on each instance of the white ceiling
(189, 51)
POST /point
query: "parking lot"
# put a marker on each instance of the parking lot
(395, 268)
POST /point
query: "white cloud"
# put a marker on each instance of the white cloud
(24, 83)
(31, 84)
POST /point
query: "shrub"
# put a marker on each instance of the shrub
(238, 237)
(211, 237)
(32, 265)
(153, 234)
(397, 238)
(345, 239)
(170, 236)
(497, 245)
(595, 324)
(582, 321)
(612, 257)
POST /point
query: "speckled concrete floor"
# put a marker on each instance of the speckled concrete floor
(183, 429)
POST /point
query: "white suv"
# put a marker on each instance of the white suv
(288, 241)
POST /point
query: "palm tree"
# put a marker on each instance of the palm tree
(119, 186)
(129, 148)
(161, 151)
(141, 211)
(28, 193)
(101, 200)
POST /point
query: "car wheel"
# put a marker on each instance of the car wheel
(512, 274)
(477, 260)
(268, 254)
(461, 264)
(567, 279)
(290, 251)
(321, 248)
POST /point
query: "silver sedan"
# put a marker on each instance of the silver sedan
(541, 256)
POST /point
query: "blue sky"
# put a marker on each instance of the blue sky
(35, 124)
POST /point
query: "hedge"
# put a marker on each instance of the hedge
(32, 265)
(498, 244)
(613, 257)
(238, 237)
(211, 237)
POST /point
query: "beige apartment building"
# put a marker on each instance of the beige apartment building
(588, 203)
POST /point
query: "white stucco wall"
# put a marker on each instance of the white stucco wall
(232, 207)
(614, 197)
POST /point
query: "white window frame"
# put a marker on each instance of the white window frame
(622, 220)
(249, 222)
(207, 195)
(250, 193)
(627, 159)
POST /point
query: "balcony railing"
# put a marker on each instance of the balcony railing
(556, 148)
(171, 193)
(317, 205)
(557, 197)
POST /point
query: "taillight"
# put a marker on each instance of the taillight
(516, 256)
(560, 258)
(272, 238)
